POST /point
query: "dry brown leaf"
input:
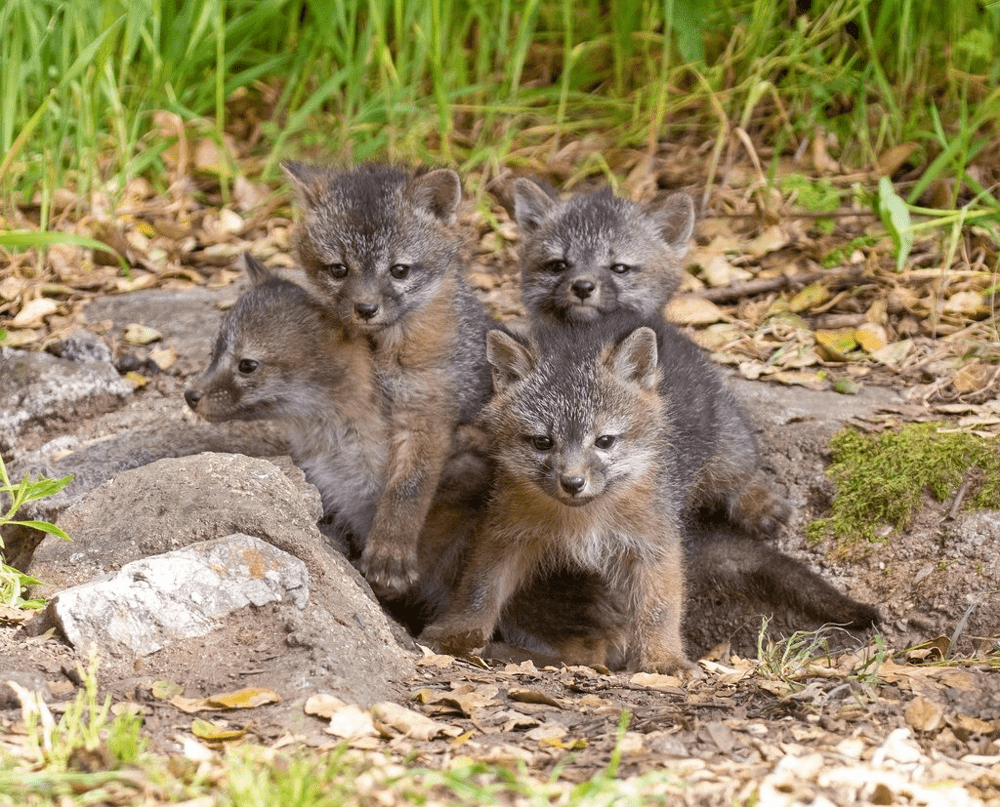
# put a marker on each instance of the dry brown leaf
(351, 722)
(465, 699)
(11, 288)
(893, 354)
(974, 725)
(969, 303)
(770, 240)
(165, 357)
(924, 715)
(811, 296)
(835, 345)
(516, 721)
(323, 705)
(206, 730)
(871, 337)
(33, 312)
(723, 738)
(687, 309)
(165, 690)
(435, 660)
(717, 270)
(547, 732)
(394, 720)
(139, 334)
(21, 338)
(817, 381)
(532, 696)
(657, 681)
(247, 698)
(524, 668)
(972, 376)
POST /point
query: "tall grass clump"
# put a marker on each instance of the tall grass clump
(474, 81)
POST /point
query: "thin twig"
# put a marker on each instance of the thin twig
(736, 291)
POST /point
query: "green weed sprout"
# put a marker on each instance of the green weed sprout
(13, 581)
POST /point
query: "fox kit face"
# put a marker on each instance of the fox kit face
(574, 419)
(596, 254)
(376, 243)
(267, 362)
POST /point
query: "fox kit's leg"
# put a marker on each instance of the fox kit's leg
(494, 573)
(421, 442)
(656, 592)
(729, 479)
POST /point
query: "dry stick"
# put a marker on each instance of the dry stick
(963, 489)
(736, 291)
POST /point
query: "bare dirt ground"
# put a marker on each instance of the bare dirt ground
(907, 715)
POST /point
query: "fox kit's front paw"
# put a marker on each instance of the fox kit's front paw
(390, 570)
(681, 668)
(451, 640)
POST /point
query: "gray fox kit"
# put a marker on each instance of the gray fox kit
(597, 256)
(583, 485)
(281, 355)
(382, 252)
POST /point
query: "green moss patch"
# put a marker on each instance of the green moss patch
(882, 478)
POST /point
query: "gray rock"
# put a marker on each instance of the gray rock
(146, 437)
(342, 641)
(82, 346)
(154, 601)
(38, 387)
(173, 503)
(187, 319)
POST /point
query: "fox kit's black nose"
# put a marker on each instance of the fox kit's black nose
(366, 310)
(192, 396)
(583, 288)
(572, 484)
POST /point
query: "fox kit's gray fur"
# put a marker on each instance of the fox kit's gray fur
(597, 256)
(382, 251)
(580, 430)
(282, 356)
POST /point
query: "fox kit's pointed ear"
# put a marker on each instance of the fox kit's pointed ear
(510, 359)
(531, 204)
(438, 192)
(633, 359)
(255, 270)
(307, 180)
(674, 218)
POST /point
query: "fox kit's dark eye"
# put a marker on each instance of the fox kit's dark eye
(247, 366)
(399, 270)
(555, 267)
(620, 268)
(541, 442)
(336, 270)
(605, 441)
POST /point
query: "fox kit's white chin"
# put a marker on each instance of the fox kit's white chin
(582, 312)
